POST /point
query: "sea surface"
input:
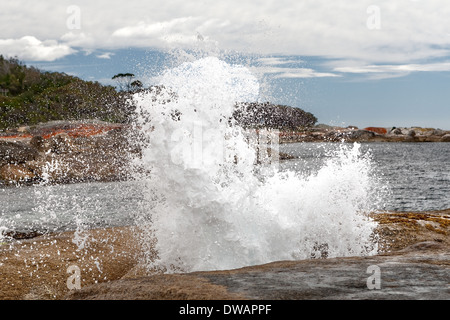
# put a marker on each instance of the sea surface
(416, 174)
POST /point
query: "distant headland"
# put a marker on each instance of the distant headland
(325, 133)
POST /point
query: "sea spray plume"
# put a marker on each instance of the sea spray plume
(207, 208)
(191, 159)
(325, 214)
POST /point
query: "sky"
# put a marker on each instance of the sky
(361, 63)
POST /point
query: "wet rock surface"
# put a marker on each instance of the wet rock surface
(413, 263)
(36, 267)
(418, 272)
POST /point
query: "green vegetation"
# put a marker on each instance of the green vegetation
(124, 81)
(29, 96)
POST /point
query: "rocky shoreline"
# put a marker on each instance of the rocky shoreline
(64, 152)
(413, 260)
(323, 133)
(80, 151)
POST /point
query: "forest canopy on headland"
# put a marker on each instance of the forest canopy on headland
(29, 96)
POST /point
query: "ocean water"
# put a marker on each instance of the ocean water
(203, 204)
(417, 174)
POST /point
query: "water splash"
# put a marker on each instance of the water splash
(207, 207)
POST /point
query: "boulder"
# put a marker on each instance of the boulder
(396, 131)
(446, 138)
(16, 152)
(40, 144)
(61, 143)
(38, 166)
(65, 157)
(438, 132)
(377, 130)
(361, 134)
(411, 136)
(16, 173)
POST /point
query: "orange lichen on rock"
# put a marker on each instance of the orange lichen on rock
(83, 130)
(17, 136)
(377, 130)
(80, 130)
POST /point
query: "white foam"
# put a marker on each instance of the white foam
(206, 206)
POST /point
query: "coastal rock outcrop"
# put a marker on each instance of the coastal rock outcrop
(16, 172)
(414, 264)
(12, 152)
(378, 130)
(76, 151)
(361, 135)
(445, 138)
(62, 152)
(418, 272)
(323, 133)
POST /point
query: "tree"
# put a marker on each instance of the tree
(124, 81)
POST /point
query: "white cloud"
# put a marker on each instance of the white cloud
(277, 61)
(284, 67)
(389, 71)
(297, 72)
(409, 31)
(32, 49)
(153, 29)
(305, 73)
(80, 40)
(443, 66)
(106, 55)
(185, 32)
